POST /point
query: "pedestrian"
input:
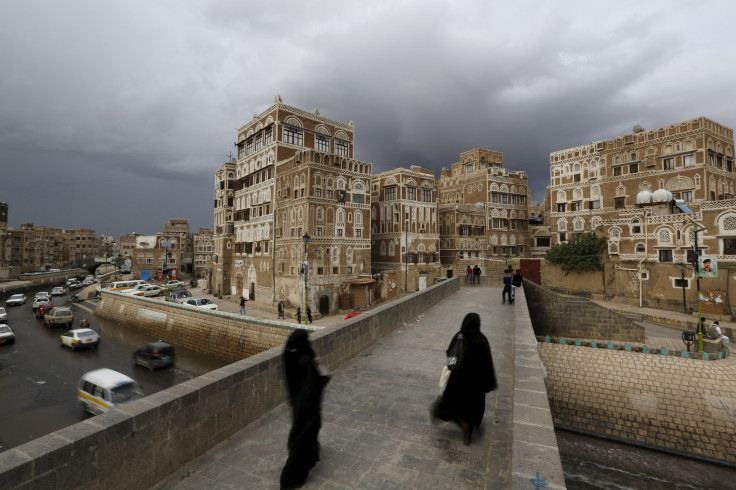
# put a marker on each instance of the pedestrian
(242, 305)
(515, 283)
(476, 274)
(299, 315)
(309, 314)
(464, 398)
(305, 381)
(468, 275)
(715, 333)
(281, 309)
(506, 286)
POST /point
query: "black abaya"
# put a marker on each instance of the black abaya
(305, 396)
(464, 397)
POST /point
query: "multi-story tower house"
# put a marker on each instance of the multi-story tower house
(405, 225)
(589, 184)
(203, 250)
(479, 183)
(650, 193)
(127, 245)
(295, 175)
(223, 235)
(174, 242)
(83, 246)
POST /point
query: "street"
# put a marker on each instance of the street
(38, 377)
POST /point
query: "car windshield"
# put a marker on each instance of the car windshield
(4, 329)
(16, 296)
(126, 393)
(205, 302)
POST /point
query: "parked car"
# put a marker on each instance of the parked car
(3, 314)
(71, 280)
(58, 291)
(43, 300)
(174, 284)
(59, 317)
(201, 303)
(7, 336)
(178, 295)
(16, 299)
(80, 338)
(144, 290)
(90, 278)
(155, 355)
(104, 389)
(150, 290)
(75, 285)
(43, 309)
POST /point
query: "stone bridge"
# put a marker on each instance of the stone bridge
(228, 428)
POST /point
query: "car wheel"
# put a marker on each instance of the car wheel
(74, 347)
(97, 344)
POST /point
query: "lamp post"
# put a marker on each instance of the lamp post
(306, 238)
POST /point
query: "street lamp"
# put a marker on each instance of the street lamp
(306, 238)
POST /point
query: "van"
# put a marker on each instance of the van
(104, 389)
(122, 285)
(178, 295)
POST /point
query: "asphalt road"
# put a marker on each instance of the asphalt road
(38, 377)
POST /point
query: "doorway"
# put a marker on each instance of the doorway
(324, 305)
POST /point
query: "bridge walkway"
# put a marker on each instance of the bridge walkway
(376, 431)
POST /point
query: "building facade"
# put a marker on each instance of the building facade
(484, 212)
(651, 193)
(203, 250)
(295, 175)
(405, 226)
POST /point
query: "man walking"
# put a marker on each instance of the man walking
(476, 274)
(506, 287)
(515, 283)
(281, 309)
(242, 305)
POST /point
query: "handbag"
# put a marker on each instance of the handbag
(455, 354)
(444, 378)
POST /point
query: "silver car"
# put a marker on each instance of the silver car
(16, 299)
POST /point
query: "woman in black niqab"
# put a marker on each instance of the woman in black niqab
(464, 398)
(305, 385)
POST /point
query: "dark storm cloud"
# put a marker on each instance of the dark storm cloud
(115, 116)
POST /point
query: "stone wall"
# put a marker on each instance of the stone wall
(566, 316)
(223, 335)
(137, 445)
(684, 406)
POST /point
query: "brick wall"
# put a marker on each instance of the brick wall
(137, 445)
(566, 316)
(223, 335)
(669, 403)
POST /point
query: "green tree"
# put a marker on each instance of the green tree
(582, 253)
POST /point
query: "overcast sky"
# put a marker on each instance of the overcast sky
(114, 115)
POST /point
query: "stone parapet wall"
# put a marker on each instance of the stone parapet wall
(223, 335)
(565, 316)
(683, 406)
(139, 444)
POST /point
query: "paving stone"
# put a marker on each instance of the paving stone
(376, 431)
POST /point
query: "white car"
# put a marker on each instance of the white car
(7, 336)
(174, 284)
(42, 300)
(16, 299)
(201, 303)
(80, 337)
(42, 294)
(90, 279)
(143, 290)
(58, 291)
(3, 314)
